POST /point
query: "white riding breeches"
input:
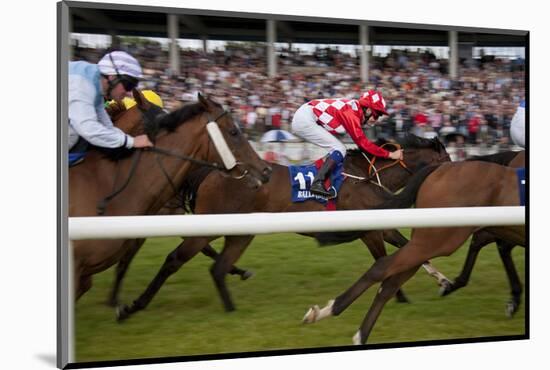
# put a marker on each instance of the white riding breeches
(304, 124)
(517, 127)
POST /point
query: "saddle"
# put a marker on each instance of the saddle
(301, 178)
(78, 152)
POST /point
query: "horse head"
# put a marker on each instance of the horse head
(228, 144)
(419, 152)
(204, 131)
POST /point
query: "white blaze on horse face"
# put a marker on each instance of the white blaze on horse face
(225, 153)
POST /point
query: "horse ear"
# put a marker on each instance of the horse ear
(204, 101)
(140, 99)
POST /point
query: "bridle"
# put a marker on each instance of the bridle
(150, 117)
(374, 172)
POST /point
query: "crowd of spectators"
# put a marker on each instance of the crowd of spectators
(477, 107)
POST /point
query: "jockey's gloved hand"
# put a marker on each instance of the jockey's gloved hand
(397, 155)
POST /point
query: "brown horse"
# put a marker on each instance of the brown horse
(181, 143)
(218, 194)
(463, 184)
(482, 238)
(120, 117)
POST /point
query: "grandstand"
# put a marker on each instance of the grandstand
(439, 81)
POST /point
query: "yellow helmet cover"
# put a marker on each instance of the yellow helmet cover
(150, 95)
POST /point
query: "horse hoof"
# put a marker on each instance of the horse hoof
(445, 288)
(229, 308)
(247, 274)
(511, 309)
(122, 313)
(357, 338)
(402, 298)
(311, 315)
(112, 302)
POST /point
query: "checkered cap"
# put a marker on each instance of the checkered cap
(374, 100)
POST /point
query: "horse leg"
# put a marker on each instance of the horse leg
(233, 248)
(426, 243)
(183, 253)
(386, 291)
(505, 251)
(374, 240)
(209, 251)
(81, 283)
(479, 240)
(121, 268)
(84, 284)
(395, 238)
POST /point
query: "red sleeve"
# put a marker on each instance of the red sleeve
(352, 124)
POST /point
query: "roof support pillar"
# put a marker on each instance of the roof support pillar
(271, 56)
(173, 35)
(453, 55)
(364, 52)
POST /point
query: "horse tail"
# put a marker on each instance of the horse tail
(404, 199)
(191, 186)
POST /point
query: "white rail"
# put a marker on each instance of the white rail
(267, 223)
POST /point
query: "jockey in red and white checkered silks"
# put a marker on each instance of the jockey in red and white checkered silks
(316, 122)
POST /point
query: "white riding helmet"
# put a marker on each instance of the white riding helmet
(120, 63)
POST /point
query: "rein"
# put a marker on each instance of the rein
(102, 204)
(376, 172)
(200, 162)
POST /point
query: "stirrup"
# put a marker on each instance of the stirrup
(319, 189)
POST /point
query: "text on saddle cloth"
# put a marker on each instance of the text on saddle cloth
(301, 178)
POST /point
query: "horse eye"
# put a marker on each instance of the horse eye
(233, 132)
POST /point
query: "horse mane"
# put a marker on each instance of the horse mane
(174, 119)
(410, 141)
(152, 128)
(190, 187)
(503, 158)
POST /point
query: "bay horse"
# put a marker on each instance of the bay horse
(482, 238)
(119, 115)
(459, 184)
(181, 144)
(211, 193)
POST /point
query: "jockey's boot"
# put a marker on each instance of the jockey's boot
(317, 186)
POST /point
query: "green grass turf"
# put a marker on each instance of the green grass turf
(291, 274)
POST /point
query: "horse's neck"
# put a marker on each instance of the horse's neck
(162, 174)
(151, 186)
(392, 178)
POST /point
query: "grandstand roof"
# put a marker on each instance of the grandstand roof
(216, 25)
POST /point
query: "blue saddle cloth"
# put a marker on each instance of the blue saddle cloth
(301, 178)
(520, 172)
(76, 158)
(78, 152)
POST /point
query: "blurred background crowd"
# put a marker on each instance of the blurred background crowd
(471, 114)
